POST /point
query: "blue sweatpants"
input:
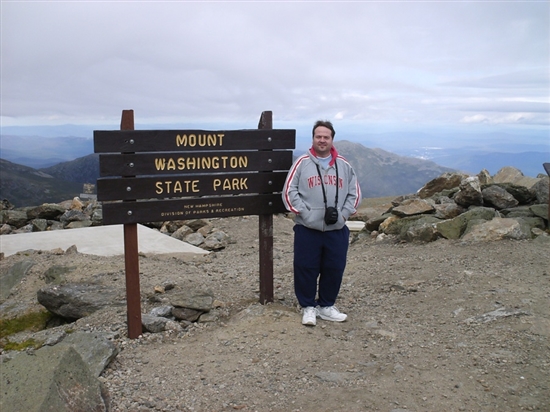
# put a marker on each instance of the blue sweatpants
(319, 255)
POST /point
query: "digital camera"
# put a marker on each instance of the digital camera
(331, 215)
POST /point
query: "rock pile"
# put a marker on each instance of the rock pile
(508, 205)
(77, 213)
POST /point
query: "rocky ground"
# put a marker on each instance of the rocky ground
(443, 326)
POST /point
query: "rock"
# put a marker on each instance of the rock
(190, 315)
(39, 225)
(411, 207)
(540, 211)
(497, 229)
(13, 276)
(53, 378)
(195, 239)
(182, 232)
(423, 230)
(15, 218)
(484, 177)
(498, 197)
(156, 324)
(454, 228)
(448, 210)
(49, 211)
(162, 311)
(55, 273)
(75, 301)
(73, 216)
(542, 189)
(469, 193)
(445, 181)
(94, 349)
(198, 300)
(510, 174)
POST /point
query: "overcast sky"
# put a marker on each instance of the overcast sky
(369, 65)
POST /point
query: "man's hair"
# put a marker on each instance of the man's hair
(324, 123)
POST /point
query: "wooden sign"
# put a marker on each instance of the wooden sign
(162, 175)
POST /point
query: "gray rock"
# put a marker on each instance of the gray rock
(15, 218)
(73, 216)
(423, 230)
(39, 225)
(498, 197)
(455, 228)
(540, 211)
(445, 181)
(162, 311)
(411, 207)
(469, 193)
(94, 348)
(542, 189)
(497, 229)
(198, 300)
(156, 324)
(190, 315)
(75, 301)
(46, 211)
(182, 232)
(13, 276)
(195, 239)
(448, 210)
(53, 378)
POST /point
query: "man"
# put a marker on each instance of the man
(322, 190)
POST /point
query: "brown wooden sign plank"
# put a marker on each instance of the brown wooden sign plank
(191, 208)
(130, 141)
(198, 162)
(165, 187)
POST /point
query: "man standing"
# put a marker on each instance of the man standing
(322, 190)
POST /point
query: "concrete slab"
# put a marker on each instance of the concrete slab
(97, 240)
(355, 225)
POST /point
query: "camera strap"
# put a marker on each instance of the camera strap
(323, 186)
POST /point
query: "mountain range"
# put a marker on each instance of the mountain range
(380, 174)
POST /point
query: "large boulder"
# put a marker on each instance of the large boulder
(440, 183)
(469, 193)
(75, 301)
(497, 229)
(52, 378)
(455, 228)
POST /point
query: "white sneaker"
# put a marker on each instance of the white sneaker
(309, 316)
(331, 313)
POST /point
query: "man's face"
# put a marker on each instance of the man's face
(322, 141)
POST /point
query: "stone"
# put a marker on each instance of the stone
(39, 225)
(542, 189)
(95, 349)
(195, 239)
(455, 228)
(411, 207)
(540, 211)
(496, 229)
(445, 181)
(191, 299)
(448, 210)
(469, 193)
(498, 197)
(156, 324)
(73, 216)
(423, 230)
(182, 232)
(52, 378)
(15, 218)
(46, 211)
(75, 301)
(187, 314)
(55, 274)
(13, 276)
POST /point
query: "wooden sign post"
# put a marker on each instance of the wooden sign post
(165, 175)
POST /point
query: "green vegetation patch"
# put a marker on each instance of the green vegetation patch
(33, 321)
(29, 343)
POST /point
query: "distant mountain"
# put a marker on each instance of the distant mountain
(473, 160)
(38, 152)
(82, 170)
(25, 186)
(383, 173)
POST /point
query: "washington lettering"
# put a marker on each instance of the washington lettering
(201, 163)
